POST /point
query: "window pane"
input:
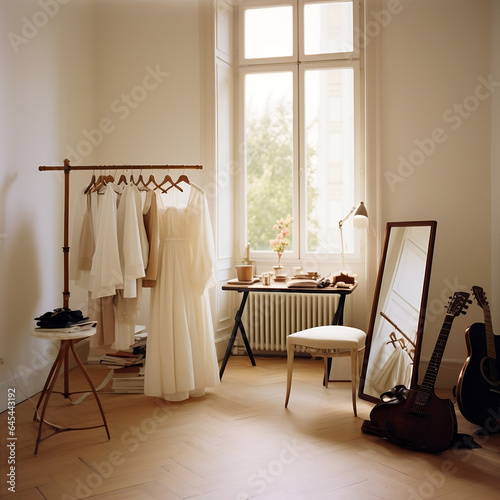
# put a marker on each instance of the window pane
(329, 115)
(269, 32)
(268, 154)
(328, 28)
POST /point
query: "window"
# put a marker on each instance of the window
(300, 109)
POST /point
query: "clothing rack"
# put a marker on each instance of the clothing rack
(67, 168)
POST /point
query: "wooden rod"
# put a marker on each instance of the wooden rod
(123, 167)
(397, 328)
(66, 292)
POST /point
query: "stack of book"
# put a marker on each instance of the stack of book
(140, 340)
(122, 358)
(128, 380)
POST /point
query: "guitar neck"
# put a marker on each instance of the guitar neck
(429, 380)
(490, 339)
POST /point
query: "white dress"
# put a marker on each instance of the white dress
(106, 269)
(181, 360)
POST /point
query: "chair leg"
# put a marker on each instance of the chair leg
(290, 355)
(354, 378)
(325, 361)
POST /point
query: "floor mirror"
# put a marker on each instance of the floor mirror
(394, 335)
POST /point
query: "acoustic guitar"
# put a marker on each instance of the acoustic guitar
(478, 387)
(422, 421)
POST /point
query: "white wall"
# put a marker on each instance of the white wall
(435, 148)
(46, 87)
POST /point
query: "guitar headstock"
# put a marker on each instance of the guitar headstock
(480, 297)
(458, 303)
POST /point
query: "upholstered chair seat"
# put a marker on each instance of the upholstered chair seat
(327, 342)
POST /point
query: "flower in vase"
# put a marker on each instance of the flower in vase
(279, 243)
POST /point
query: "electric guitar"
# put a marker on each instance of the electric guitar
(478, 387)
(422, 421)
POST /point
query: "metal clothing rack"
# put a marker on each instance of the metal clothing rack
(67, 168)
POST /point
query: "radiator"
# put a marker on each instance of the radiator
(269, 317)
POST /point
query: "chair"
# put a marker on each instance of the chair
(327, 342)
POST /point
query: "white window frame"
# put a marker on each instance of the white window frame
(298, 64)
(353, 254)
(255, 4)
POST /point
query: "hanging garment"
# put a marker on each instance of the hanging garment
(87, 244)
(134, 249)
(396, 370)
(181, 358)
(132, 239)
(82, 243)
(126, 311)
(106, 269)
(150, 216)
(109, 258)
(103, 311)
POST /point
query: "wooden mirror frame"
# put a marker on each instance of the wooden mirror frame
(432, 225)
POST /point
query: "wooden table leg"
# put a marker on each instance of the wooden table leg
(49, 387)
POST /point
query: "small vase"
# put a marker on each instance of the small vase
(278, 270)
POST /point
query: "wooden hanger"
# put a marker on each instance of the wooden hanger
(170, 181)
(152, 180)
(122, 179)
(91, 183)
(182, 178)
(141, 184)
(102, 180)
(394, 340)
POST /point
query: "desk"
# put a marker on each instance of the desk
(278, 287)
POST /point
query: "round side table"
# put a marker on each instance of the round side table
(67, 343)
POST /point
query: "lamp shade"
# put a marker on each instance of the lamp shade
(360, 218)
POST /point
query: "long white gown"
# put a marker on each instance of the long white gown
(181, 360)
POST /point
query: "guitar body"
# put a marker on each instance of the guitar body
(421, 421)
(478, 387)
(427, 427)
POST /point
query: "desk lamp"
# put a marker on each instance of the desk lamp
(360, 221)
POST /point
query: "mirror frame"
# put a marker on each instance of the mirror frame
(423, 303)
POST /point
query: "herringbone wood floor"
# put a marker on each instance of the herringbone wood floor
(238, 442)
